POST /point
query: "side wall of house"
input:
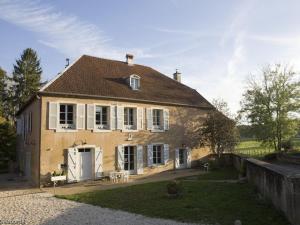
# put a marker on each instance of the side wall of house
(183, 124)
(28, 141)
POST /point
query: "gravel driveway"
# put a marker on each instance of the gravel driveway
(19, 207)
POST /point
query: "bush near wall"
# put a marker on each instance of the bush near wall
(7, 145)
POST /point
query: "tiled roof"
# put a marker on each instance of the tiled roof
(99, 77)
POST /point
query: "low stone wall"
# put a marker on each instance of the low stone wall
(279, 184)
(288, 158)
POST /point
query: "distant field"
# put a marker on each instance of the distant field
(256, 149)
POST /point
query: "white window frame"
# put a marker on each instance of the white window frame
(135, 82)
(100, 127)
(161, 154)
(66, 126)
(130, 128)
(159, 128)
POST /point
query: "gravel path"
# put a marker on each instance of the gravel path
(43, 208)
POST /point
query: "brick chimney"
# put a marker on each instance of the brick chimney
(177, 76)
(129, 59)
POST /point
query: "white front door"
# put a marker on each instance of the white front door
(85, 164)
(129, 159)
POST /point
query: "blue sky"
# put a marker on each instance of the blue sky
(216, 45)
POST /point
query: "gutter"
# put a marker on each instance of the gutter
(59, 94)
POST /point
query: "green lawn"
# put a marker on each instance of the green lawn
(227, 173)
(202, 201)
(255, 149)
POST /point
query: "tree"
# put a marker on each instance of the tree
(26, 77)
(2, 90)
(218, 130)
(271, 104)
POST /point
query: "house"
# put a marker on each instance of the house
(101, 115)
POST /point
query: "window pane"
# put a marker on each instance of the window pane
(70, 116)
(131, 116)
(104, 115)
(70, 108)
(62, 117)
(159, 154)
(62, 108)
(97, 117)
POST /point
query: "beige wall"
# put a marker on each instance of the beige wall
(183, 122)
(31, 143)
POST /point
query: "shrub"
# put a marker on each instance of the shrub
(287, 145)
(271, 156)
(174, 188)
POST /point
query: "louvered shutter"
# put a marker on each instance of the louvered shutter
(166, 119)
(166, 153)
(80, 111)
(120, 117)
(150, 155)
(177, 165)
(149, 119)
(19, 126)
(90, 117)
(188, 158)
(113, 117)
(139, 159)
(53, 115)
(72, 165)
(120, 157)
(98, 162)
(140, 118)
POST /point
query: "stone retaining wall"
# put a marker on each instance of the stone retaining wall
(280, 185)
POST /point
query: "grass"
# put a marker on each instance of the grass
(227, 173)
(255, 149)
(202, 201)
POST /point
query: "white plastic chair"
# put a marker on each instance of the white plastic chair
(113, 177)
(125, 176)
(206, 166)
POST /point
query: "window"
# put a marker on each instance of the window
(135, 82)
(101, 119)
(157, 154)
(66, 115)
(129, 115)
(157, 115)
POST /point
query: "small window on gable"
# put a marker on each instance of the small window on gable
(134, 82)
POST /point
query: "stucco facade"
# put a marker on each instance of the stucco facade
(49, 147)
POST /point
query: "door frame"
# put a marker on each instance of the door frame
(187, 158)
(79, 163)
(92, 147)
(184, 164)
(133, 171)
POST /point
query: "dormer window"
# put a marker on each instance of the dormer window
(134, 81)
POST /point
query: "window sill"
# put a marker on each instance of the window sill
(158, 165)
(157, 131)
(101, 131)
(65, 130)
(129, 130)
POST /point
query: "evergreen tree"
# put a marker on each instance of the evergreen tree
(2, 90)
(26, 77)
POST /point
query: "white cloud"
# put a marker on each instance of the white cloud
(66, 33)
